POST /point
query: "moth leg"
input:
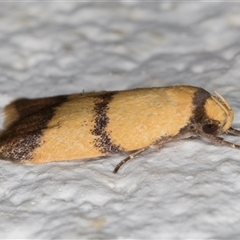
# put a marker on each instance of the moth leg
(131, 156)
(219, 140)
(234, 131)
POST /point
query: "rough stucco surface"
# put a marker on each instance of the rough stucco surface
(189, 189)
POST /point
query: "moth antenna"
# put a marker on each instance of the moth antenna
(221, 104)
(223, 100)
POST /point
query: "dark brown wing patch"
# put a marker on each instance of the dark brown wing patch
(25, 120)
(23, 107)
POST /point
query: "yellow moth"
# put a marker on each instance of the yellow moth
(90, 125)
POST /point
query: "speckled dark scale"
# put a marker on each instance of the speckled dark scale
(103, 141)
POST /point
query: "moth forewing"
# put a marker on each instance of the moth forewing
(89, 125)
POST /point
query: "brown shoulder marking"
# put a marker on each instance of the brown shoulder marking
(199, 99)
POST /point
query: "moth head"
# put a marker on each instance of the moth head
(218, 115)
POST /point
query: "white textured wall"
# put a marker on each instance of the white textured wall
(189, 189)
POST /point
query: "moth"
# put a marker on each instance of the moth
(90, 125)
